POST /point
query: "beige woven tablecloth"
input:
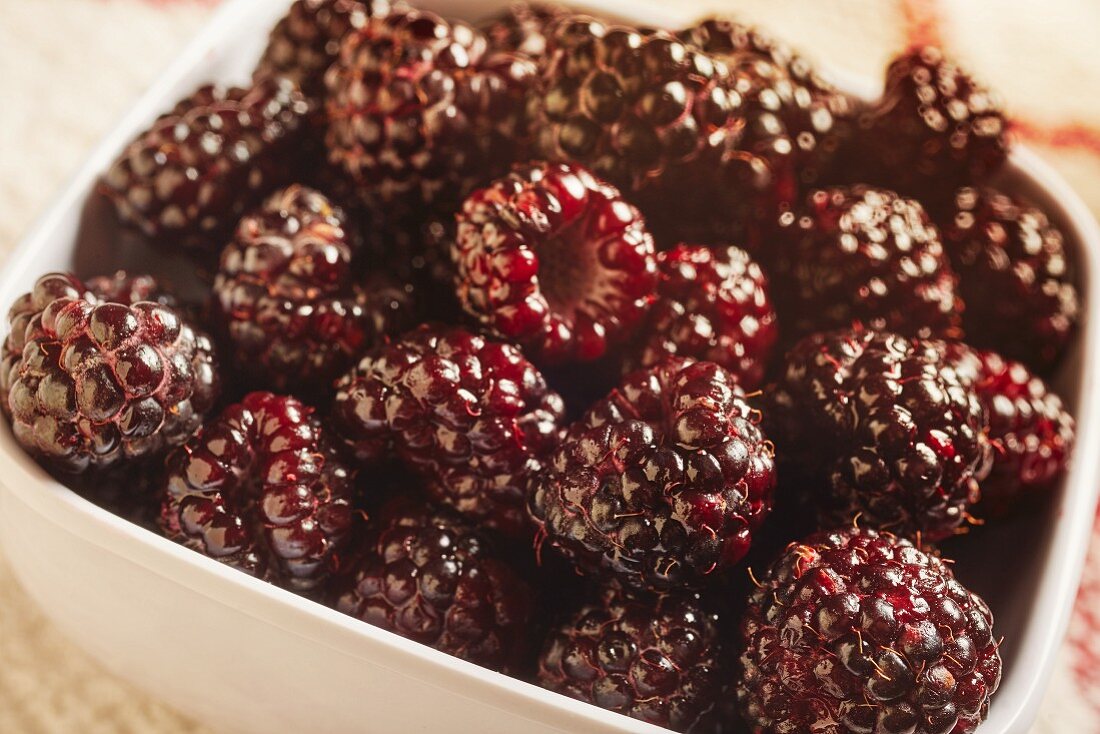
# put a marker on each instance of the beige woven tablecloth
(69, 68)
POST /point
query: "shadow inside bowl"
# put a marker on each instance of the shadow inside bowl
(1003, 562)
(103, 246)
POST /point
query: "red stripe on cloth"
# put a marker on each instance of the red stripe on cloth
(924, 26)
(1072, 135)
(1083, 640)
(922, 22)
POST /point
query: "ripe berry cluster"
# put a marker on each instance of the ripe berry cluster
(554, 291)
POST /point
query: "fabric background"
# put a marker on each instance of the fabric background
(70, 68)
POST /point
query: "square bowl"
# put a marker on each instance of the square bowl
(246, 656)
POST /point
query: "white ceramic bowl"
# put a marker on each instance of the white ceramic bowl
(245, 656)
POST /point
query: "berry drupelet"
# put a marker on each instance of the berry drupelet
(262, 489)
(89, 384)
(657, 661)
(862, 254)
(1031, 432)
(712, 305)
(522, 27)
(306, 40)
(884, 427)
(419, 114)
(296, 314)
(191, 175)
(934, 129)
(471, 414)
(857, 631)
(128, 289)
(660, 484)
(1015, 276)
(555, 259)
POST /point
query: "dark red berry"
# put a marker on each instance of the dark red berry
(428, 576)
(90, 383)
(712, 305)
(522, 27)
(1031, 432)
(555, 259)
(627, 103)
(306, 40)
(862, 254)
(296, 313)
(1015, 276)
(192, 174)
(691, 141)
(657, 661)
(470, 414)
(868, 633)
(261, 489)
(662, 483)
(888, 424)
(934, 129)
(816, 118)
(419, 114)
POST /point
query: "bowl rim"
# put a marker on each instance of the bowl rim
(1018, 699)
